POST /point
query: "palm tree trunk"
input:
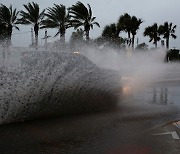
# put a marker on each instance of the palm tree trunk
(36, 30)
(87, 29)
(167, 42)
(129, 38)
(62, 37)
(9, 35)
(133, 37)
(8, 40)
(87, 35)
(155, 41)
(155, 44)
(36, 41)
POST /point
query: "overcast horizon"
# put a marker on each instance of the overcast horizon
(107, 12)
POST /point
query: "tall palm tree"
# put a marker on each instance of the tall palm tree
(124, 24)
(129, 24)
(82, 16)
(135, 23)
(153, 33)
(168, 30)
(32, 16)
(57, 17)
(2, 31)
(8, 21)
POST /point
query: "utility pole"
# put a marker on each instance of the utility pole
(45, 37)
(137, 41)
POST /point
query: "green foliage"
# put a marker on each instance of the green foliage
(8, 21)
(129, 24)
(167, 30)
(135, 23)
(82, 16)
(76, 16)
(32, 15)
(110, 31)
(153, 33)
(57, 17)
(124, 23)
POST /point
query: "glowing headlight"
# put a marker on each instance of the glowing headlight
(76, 52)
(127, 89)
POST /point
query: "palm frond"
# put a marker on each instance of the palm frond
(56, 17)
(57, 33)
(8, 16)
(32, 14)
(82, 16)
(93, 18)
(173, 36)
(16, 27)
(96, 23)
(79, 10)
(90, 11)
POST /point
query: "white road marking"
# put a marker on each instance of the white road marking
(173, 134)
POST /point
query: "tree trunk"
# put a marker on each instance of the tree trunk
(36, 30)
(129, 38)
(87, 35)
(87, 29)
(9, 35)
(133, 37)
(62, 40)
(62, 37)
(167, 43)
(45, 37)
(155, 44)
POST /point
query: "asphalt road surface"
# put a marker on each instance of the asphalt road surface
(145, 122)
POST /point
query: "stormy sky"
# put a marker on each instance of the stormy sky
(107, 12)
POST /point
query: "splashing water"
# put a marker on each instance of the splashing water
(50, 83)
(137, 70)
(42, 83)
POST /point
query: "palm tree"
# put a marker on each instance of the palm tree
(110, 36)
(168, 30)
(124, 24)
(8, 21)
(2, 31)
(135, 23)
(110, 31)
(82, 16)
(57, 17)
(129, 24)
(153, 33)
(32, 16)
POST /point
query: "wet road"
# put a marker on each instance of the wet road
(133, 127)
